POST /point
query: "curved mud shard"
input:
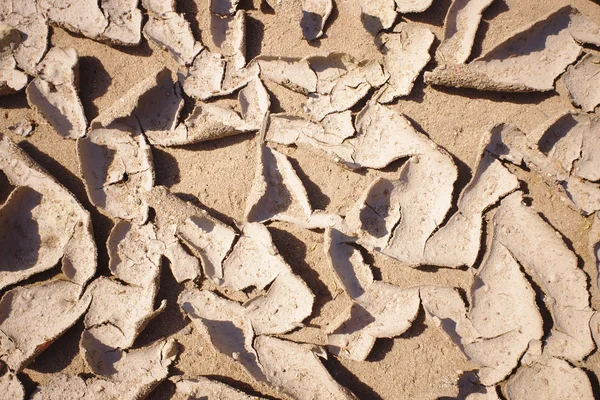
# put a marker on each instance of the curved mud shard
(314, 17)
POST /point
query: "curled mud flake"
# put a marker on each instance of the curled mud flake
(24, 16)
(457, 243)
(129, 374)
(580, 81)
(81, 16)
(278, 194)
(205, 77)
(412, 6)
(50, 222)
(562, 150)
(406, 52)
(314, 17)
(470, 388)
(208, 389)
(549, 378)
(229, 34)
(225, 324)
(338, 127)
(286, 304)
(11, 79)
(224, 7)
(170, 31)
(206, 237)
(504, 313)
(294, 75)
(117, 169)
(378, 15)
(208, 121)
(34, 316)
(117, 315)
(254, 260)
(330, 68)
(347, 262)
(594, 242)
(11, 387)
(284, 361)
(254, 103)
(124, 22)
(23, 128)
(54, 93)
(530, 60)
(553, 266)
(460, 28)
(383, 311)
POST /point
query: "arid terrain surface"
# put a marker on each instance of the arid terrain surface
(421, 363)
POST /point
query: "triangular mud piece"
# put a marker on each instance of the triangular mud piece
(529, 60)
(549, 378)
(460, 28)
(11, 79)
(224, 7)
(553, 266)
(124, 22)
(255, 262)
(54, 93)
(412, 6)
(229, 34)
(24, 16)
(341, 83)
(254, 103)
(383, 311)
(284, 361)
(34, 316)
(457, 243)
(377, 15)
(170, 31)
(504, 313)
(277, 194)
(294, 75)
(224, 323)
(206, 237)
(580, 79)
(314, 17)
(563, 141)
(406, 52)
(207, 389)
(469, 388)
(52, 225)
(11, 387)
(130, 374)
(117, 168)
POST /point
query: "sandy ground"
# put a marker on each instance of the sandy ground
(422, 363)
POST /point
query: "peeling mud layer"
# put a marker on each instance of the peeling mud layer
(299, 199)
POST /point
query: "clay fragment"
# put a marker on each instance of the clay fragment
(594, 242)
(204, 388)
(283, 361)
(378, 15)
(124, 22)
(170, 31)
(11, 387)
(131, 374)
(53, 225)
(54, 93)
(314, 17)
(341, 83)
(254, 103)
(24, 16)
(580, 79)
(23, 128)
(457, 243)
(179, 222)
(117, 168)
(567, 152)
(553, 266)
(277, 194)
(460, 28)
(294, 75)
(406, 52)
(255, 262)
(529, 60)
(549, 378)
(11, 79)
(35, 316)
(412, 6)
(224, 7)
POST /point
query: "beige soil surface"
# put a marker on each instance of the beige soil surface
(422, 363)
